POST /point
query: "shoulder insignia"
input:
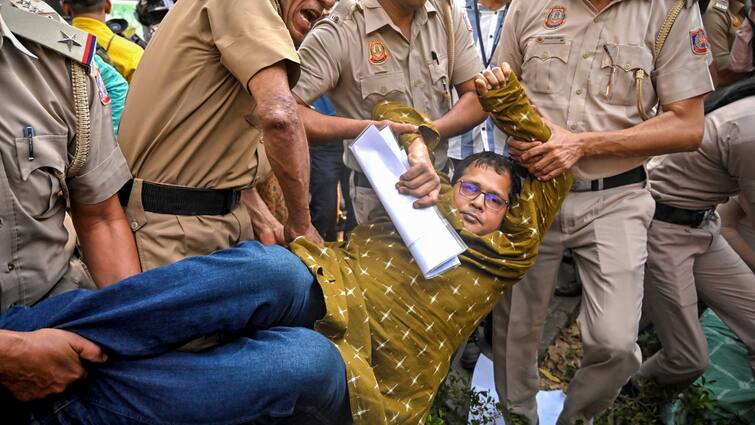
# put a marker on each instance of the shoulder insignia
(48, 30)
(722, 5)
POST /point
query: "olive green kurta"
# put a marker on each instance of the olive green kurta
(397, 331)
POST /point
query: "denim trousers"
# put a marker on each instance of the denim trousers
(271, 368)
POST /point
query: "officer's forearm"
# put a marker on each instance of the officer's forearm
(465, 115)
(678, 129)
(106, 241)
(325, 128)
(285, 140)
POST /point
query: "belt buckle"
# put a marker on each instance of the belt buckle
(707, 216)
(581, 186)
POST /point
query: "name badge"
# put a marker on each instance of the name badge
(551, 39)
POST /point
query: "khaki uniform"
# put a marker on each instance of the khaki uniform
(190, 121)
(578, 67)
(37, 93)
(721, 20)
(684, 261)
(358, 57)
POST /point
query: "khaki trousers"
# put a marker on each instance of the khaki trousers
(607, 231)
(164, 238)
(685, 263)
(364, 200)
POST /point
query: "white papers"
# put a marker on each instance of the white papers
(549, 403)
(432, 241)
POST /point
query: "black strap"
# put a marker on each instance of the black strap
(635, 175)
(681, 216)
(177, 200)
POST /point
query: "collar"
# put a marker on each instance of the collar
(375, 17)
(91, 24)
(6, 33)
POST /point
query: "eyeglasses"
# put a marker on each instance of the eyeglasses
(491, 200)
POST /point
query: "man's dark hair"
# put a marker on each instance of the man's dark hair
(85, 6)
(497, 162)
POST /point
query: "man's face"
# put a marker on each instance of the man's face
(300, 15)
(483, 213)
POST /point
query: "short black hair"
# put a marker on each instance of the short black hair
(497, 162)
(85, 6)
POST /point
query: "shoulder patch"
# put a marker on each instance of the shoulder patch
(699, 41)
(102, 92)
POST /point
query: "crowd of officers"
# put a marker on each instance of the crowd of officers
(230, 94)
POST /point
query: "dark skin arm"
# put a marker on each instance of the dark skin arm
(678, 129)
(36, 364)
(286, 145)
(106, 241)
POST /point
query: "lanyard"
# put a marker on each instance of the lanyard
(487, 59)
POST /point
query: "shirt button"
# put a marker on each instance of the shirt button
(596, 20)
(11, 267)
(579, 92)
(573, 127)
(585, 55)
(134, 225)
(626, 67)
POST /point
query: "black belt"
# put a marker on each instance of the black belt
(360, 180)
(179, 200)
(635, 175)
(680, 216)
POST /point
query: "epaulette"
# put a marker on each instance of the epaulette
(36, 21)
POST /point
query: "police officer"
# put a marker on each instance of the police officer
(587, 72)
(368, 51)
(721, 21)
(215, 78)
(687, 256)
(57, 149)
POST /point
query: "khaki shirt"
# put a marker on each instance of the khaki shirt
(189, 119)
(577, 65)
(38, 93)
(720, 168)
(721, 21)
(359, 58)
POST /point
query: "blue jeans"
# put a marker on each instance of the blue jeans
(272, 368)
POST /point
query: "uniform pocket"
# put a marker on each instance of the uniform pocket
(544, 66)
(39, 191)
(380, 87)
(619, 64)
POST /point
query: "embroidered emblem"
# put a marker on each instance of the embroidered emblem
(556, 17)
(101, 89)
(699, 41)
(378, 52)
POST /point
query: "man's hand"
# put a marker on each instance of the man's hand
(421, 180)
(267, 229)
(397, 127)
(548, 160)
(36, 364)
(293, 230)
(492, 79)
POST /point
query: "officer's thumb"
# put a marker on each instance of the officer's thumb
(86, 349)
